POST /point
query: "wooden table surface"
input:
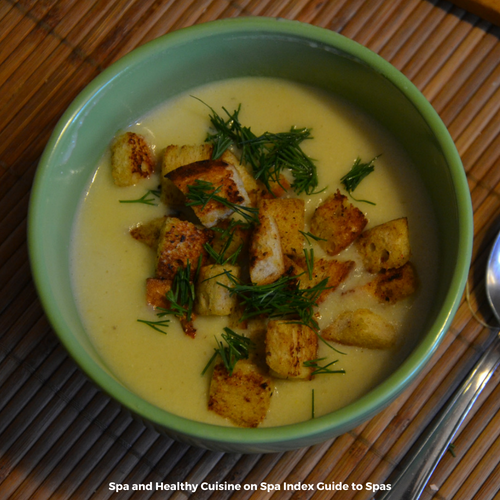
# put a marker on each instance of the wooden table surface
(60, 436)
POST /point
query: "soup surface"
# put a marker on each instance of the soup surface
(110, 267)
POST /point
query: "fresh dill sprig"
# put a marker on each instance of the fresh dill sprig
(182, 293)
(357, 173)
(202, 192)
(158, 325)
(281, 299)
(312, 236)
(309, 256)
(238, 347)
(227, 235)
(319, 370)
(268, 154)
(146, 198)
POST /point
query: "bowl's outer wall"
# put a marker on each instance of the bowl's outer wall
(181, 61)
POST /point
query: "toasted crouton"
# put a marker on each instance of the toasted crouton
(385, 246)
(248, 180)
(178, 156)
(174, 157)
(131, 159)
(156, 289)
(278, 189)
(221, 176)
(229, 240)
(361, 328)
(333, 270)
(180, 242)
(288, 346)
(244, 397)
(289, 216)
(148, 232)
(266, 256)
(338, 222)
(212, 296)
(394, 285)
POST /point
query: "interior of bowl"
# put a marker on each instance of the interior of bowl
(221, 50)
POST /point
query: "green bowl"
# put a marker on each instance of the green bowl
(220, 50)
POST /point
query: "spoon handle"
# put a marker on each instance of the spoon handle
(416, 471)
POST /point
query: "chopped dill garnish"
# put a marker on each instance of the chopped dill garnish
(451, 449)
(357, 173)
(319, 370)
(312, 236)
(312, 403)
(202, 192)
(158, 325)
(282, 299)
(309, 256)
(226, 237)
(182, 293)
(146, 198)
(268, 154)
(238, 347)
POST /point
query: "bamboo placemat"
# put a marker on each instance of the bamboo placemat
(60, 437)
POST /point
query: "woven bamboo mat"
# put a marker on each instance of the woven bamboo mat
(60, 437)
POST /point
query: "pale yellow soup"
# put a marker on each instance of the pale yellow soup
(110, 267)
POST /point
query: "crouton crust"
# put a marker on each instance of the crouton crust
(131, 159)
(156, 289)
(260, 192)
(385, 246)
(334, 270)
(361, 328)
(338, 222)
(212, 298)
(289, 216)
(244, 397)
(223, 177)
(266, 256)
(288, 346)
(174, 157)
(148, 232)
(180, 242)
(394, 285)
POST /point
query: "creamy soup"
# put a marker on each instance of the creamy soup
(110, 267)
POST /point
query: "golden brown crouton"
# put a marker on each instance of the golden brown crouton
(131, 159)
(266, 255)
(385, 246)
(278, 189)
(394, 284)
(361, 328)
(221, 176)
(244, 397)
(174, 157)
(148, 232)
(288, 346)
(212, 298)
(289, 216)
(333, 270)
(338, 222)
(249, 182)
(228, 240)
(180, 242)
(156, 289)
(178, 156)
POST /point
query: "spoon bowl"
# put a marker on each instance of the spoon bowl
(493, 278)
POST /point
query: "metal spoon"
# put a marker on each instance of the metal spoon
(415, 471)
